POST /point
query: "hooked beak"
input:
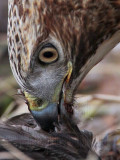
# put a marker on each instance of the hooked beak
(46, 113)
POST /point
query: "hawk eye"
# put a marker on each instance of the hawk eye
(48, 55)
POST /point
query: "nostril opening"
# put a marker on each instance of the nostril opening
(39, 102)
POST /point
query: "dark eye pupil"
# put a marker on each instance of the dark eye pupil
(48, 54)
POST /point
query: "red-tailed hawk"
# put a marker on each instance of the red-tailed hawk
(53, 44)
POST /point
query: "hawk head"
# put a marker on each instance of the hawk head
(53, 45)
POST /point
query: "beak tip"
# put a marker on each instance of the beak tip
(47, 117)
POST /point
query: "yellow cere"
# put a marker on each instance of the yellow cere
(33, 102)
(67, 93)
(69, 71)
(58, 88)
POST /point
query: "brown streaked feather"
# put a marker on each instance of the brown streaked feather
(85, 25)
(67, 142)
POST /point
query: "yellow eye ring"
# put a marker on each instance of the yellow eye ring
(48, 55)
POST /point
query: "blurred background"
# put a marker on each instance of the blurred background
(97, 98)
(9, 102)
